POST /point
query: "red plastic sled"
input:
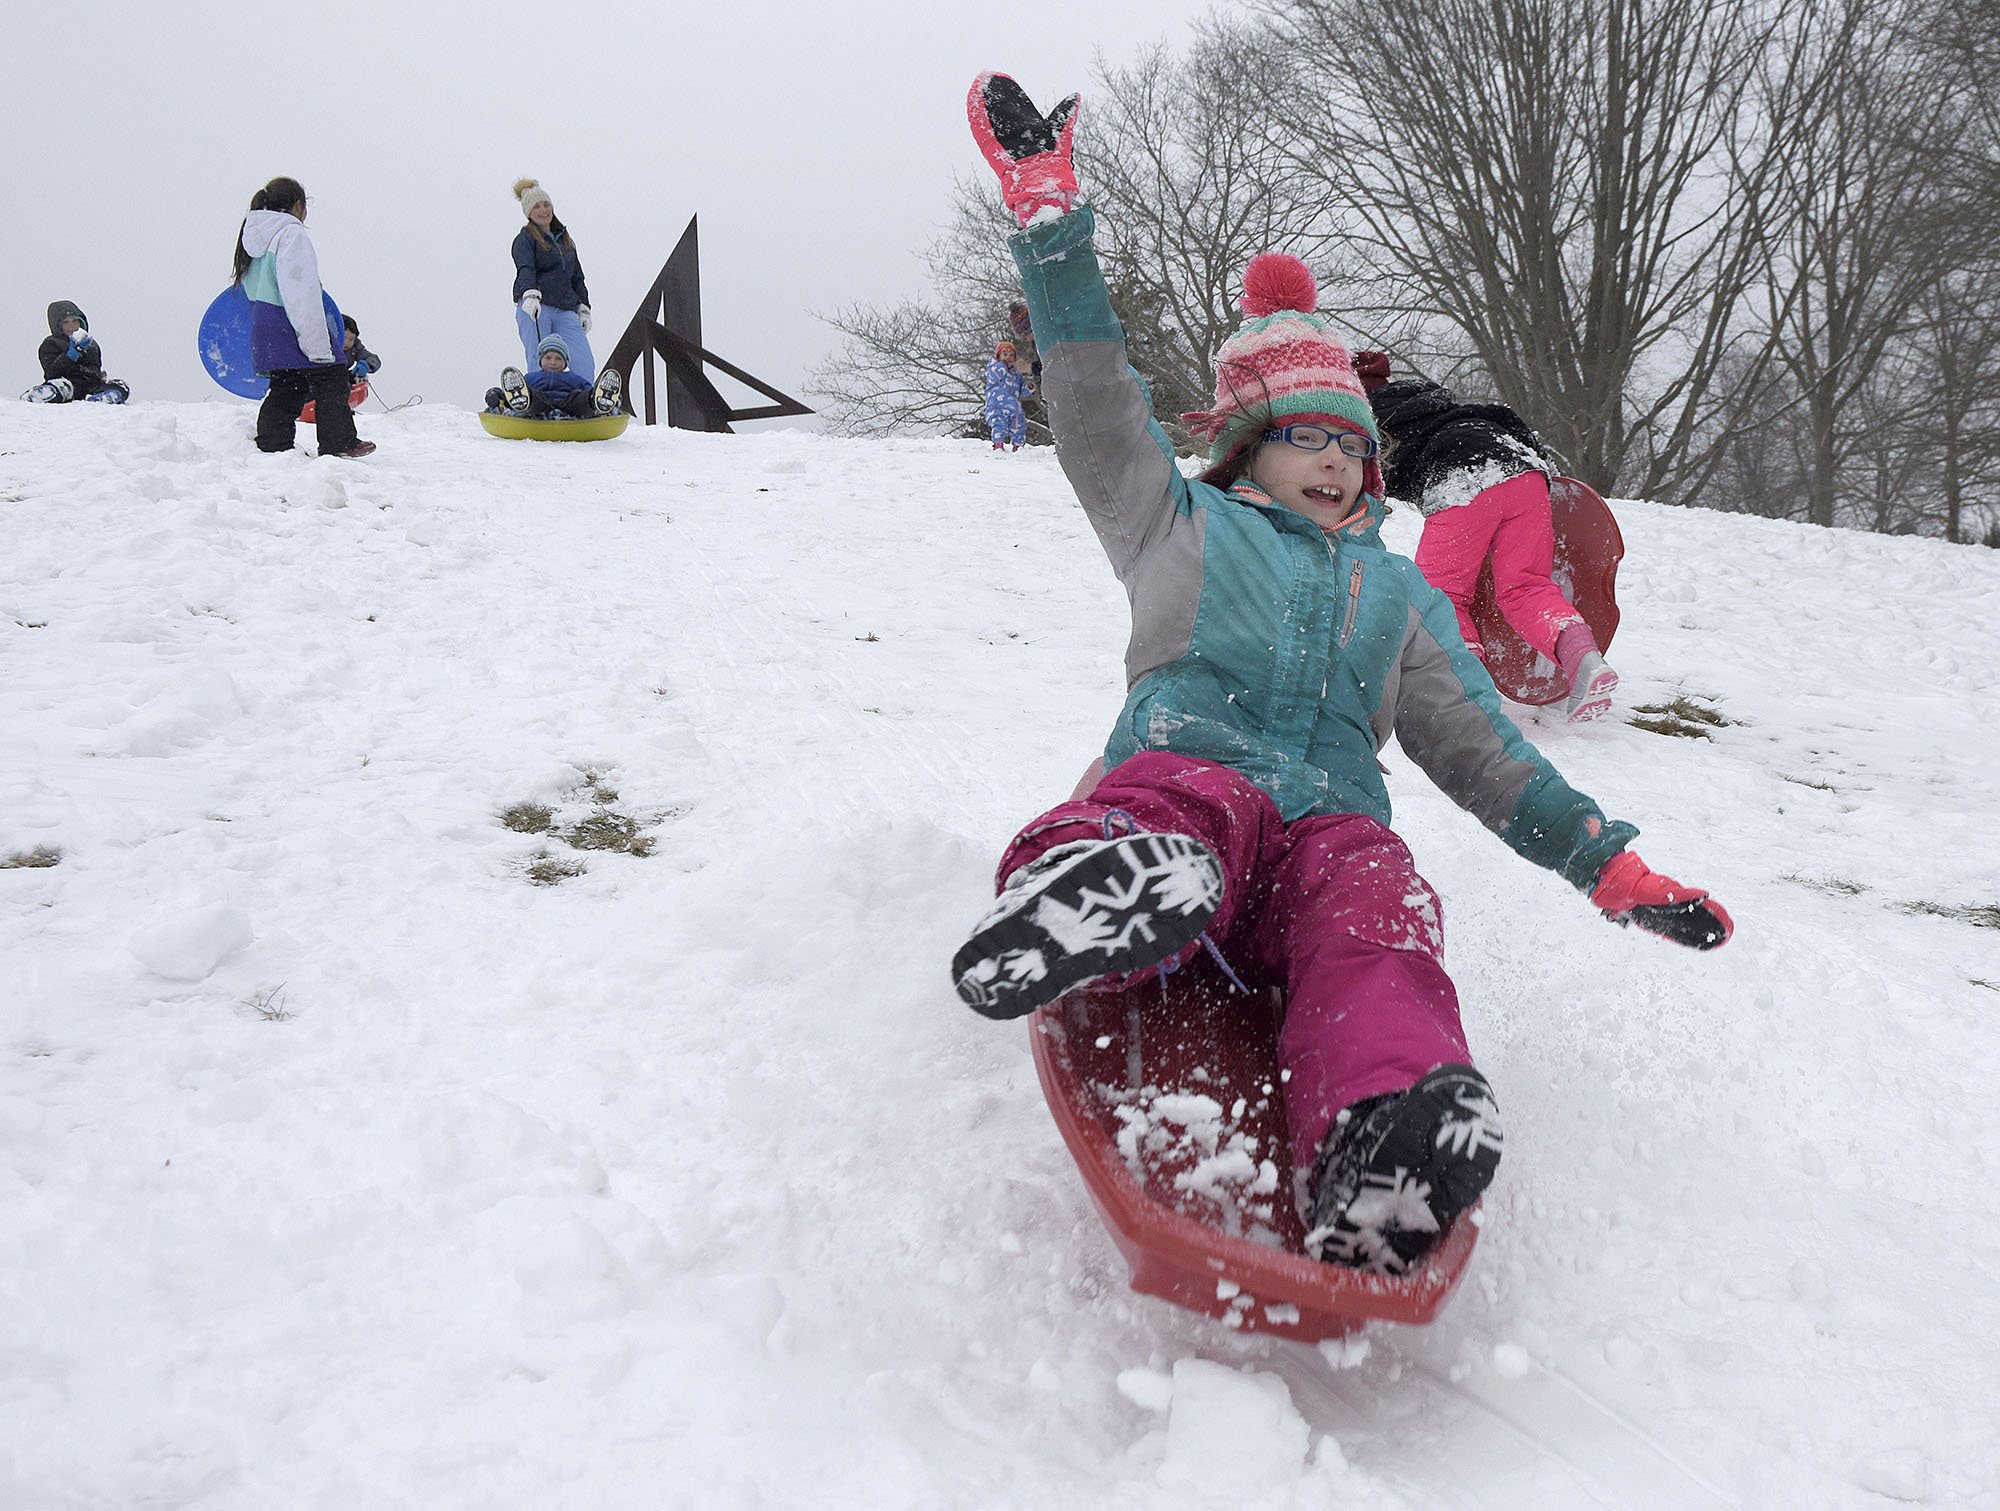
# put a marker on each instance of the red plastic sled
(1168, 1098)
(356, 397)
(1588, 550)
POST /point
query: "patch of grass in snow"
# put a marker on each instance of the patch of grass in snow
(552, 870)
(529, 818)
(1681, 716)
(269, 1004)
(607, 829)
(1979, 915)
(39, 858)
(601, 826)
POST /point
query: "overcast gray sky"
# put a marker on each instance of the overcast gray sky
(816, 141)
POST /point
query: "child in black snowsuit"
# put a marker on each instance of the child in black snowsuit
(361, 362)
(73, 363)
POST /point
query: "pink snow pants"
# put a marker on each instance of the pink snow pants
(1329, 907)
(1511, 520)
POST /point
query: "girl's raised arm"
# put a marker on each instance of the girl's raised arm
(1116, 456)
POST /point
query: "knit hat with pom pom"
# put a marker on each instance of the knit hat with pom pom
(1286, 366)
(530, 193)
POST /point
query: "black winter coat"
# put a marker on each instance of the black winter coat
(86, 377)
(1430, 437)
(554, 270)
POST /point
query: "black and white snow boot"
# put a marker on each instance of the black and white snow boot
(514, 390)
(1095, 907)
(1395, 1171)
(605, 395)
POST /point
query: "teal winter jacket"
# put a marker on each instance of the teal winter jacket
(1260, 642)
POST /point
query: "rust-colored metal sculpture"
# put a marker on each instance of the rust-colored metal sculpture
(668, 326)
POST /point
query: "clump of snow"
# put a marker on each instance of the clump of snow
(187, 945)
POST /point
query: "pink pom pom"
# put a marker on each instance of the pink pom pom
(1277, 281)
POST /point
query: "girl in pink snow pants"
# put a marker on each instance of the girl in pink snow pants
(1330, 906)
(1480, 475)
(1276, 644)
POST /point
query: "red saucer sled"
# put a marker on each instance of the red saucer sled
(1588, 550)
(356, 397)
(1168, 1097)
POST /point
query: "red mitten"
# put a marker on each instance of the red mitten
(1631, 892)
(1372, 368)
(1029, 151)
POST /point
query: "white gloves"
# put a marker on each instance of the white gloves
(583, 315)
(531, 304)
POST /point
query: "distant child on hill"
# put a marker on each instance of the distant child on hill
(1480, 475)
(1276, 645)
(361, 362)
(1006, 387)
(552, 391)
(73, 363)
(1023, 327)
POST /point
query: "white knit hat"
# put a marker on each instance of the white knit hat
(531, 193)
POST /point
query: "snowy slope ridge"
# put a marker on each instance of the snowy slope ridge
(341, 1166)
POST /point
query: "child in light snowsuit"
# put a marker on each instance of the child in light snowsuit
(293, 340)
(1480, 475)
(1005, 389)
(1276, 644)
(73, 363)
(552, 391)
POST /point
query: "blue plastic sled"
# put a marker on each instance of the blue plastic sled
(224, 341)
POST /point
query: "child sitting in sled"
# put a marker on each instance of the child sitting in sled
(73, 363)
(1480, 476)
(361, 362)
(552, 391)
(1276, 644)
(1006, 387)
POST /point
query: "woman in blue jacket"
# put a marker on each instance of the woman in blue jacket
(296, 337)
(550, 295)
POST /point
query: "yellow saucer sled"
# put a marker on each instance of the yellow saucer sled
(515, 427)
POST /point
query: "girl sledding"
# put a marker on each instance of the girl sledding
(1276, 645)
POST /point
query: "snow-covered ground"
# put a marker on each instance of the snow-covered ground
(341, 1166)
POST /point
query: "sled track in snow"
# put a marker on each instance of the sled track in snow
(1533, 1442)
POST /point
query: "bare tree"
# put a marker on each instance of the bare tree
(1185, 197)
(919, 365)
(1580, 187)
(1869, 235)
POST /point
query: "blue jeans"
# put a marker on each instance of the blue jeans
(555, 322)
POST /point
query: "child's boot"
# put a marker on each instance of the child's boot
(1590, 689)
(114, 391)
(55, 391)
(1094, 907)
(514, 390)
(1394, 1172)
(609, 387)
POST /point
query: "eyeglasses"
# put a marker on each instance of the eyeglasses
(1318, 437)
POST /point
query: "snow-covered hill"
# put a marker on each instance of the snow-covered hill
(342, 1166)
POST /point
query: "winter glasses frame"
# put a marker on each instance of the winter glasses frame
(1318, 437)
